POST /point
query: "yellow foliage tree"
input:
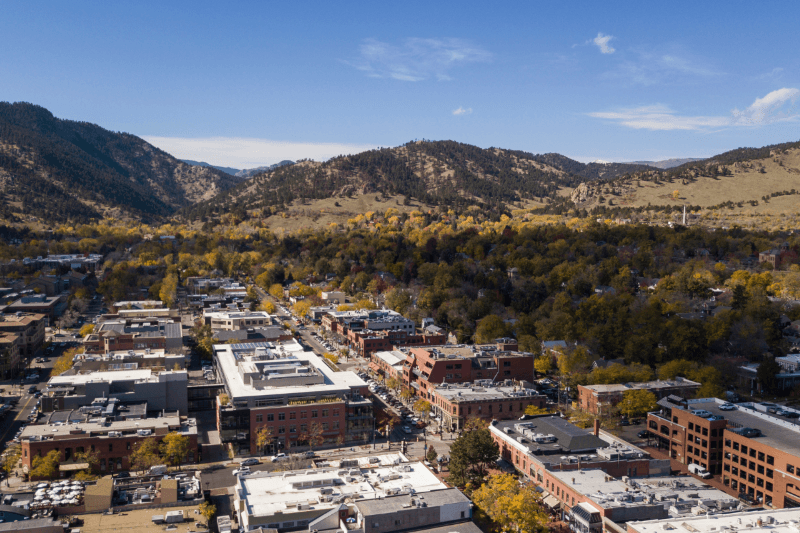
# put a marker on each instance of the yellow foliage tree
(513, 508)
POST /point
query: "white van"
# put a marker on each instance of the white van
(702, 413)
(699, 471)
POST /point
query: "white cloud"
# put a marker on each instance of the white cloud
(647, 67)
(775, 73)
(601, 41)
(767, 110)
(416, 59)
(246, 152)
(462, 111)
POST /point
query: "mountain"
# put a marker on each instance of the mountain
(596, 170)
(444, 173)
(226, 170)
(61, 170)
(667, 163)
(250, 172)
(753, 180)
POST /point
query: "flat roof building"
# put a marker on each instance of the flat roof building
(766, 521)
(483, 399)
(234, 320)
(165, 390)
(290, 390)
(600, 399)
(751, 450)
(378, 498)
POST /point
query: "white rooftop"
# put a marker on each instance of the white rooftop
(679, 495)
(268, 493)
(117, 375)
(230, 356)
(771, 521)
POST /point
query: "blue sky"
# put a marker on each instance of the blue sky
(249, 83)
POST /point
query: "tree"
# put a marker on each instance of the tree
(406, 394)
(423, 407)
(398, 300)
(301, 308)
(432, 454)
(10, 461)
(86, 329)
(224, 399)
(513, 508)
(393, 383)
(313, 435)
(208, 510)
(264, 436)
(145, 454)
(169, 290)
(473, 422)
(174, 448)
(766, 374)
(637, 402)
(543, 364)
(535, 410)
(65, 362)
(46, 467)
(276, 291)
(470, 456)
(490, 328)
(267, 307)
(90, 457)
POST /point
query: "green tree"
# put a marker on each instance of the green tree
(470, 456)
(490, 328)
(637, 402)
(423, 407)
(174, 448)
(512, 507)
(398, 300)
(766, 374)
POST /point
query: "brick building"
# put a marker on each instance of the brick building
(749, 449)
(540, 445)
(114, 441)
(426, 368)
(9, 354)
(29, 327)
(597, 399)
(291, 391)
(50, 306)
(485, 400)
(366, 342)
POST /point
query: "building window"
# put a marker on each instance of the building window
(270, 417)
(769, 486)
(324, 413)
(325, 426)
(705, 432)
(259, 418)
(790, 469)
(281, 416)
(736, 446)
(313, 414)
(335, 424)
(769, 472)
(303, 428)
(760, 456)
(744, 449)
(770, 460)
(110, 447)
(292, 429)
(292, 416)
(727, 443)
(691, 426)
(303, 414)
(282, 429)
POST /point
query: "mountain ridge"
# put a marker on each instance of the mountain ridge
(59, 170)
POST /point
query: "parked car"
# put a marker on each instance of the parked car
(278, 457)
(643, 434)
(309, 454)
(727, 407)
(406, 429)
(243, 470)
(791, 414)
(249, 462)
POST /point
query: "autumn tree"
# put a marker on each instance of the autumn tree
(86, 329)
(9, 461)
(432, 454)
(313, 435)
(264, 436)
(208, 510)
(169, 290)
(46, 467)
(512, 507)
(398, 299)
(174, 448)
(535, 410)
(267, 306)
(543, 364)
(276, 291)
(423, 407)
(145, 454)
(637, 402)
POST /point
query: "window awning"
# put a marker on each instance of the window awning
(73, 466)
(551, 501)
